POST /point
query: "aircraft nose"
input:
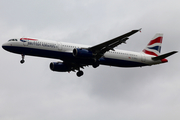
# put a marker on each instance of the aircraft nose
(5, 46)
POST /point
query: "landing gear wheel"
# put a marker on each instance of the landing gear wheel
(79, 73)
(95, 65)
(22, 61)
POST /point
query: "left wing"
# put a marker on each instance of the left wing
(100, 49)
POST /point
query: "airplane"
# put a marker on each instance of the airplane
(75, 57)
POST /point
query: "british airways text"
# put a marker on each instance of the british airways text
(43, 44)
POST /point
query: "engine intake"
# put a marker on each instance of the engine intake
(82, 53)
(59, 67)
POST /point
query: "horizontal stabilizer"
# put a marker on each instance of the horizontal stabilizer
(160, 57)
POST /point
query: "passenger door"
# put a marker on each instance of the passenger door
(59, 44)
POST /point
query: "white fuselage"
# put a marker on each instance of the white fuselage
(64, 52)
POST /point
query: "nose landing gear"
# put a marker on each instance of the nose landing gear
(22, 61)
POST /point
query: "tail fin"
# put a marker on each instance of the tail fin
(154, 46)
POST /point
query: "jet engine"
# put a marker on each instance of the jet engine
(59, 67)
(82, 53)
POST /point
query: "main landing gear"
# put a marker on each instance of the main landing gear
(79, 73)
(22, 61)
(95, 65)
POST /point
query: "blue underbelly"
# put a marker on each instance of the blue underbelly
(68, 57)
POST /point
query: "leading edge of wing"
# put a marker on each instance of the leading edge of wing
(110, 44)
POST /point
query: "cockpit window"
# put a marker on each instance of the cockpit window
(12, 40)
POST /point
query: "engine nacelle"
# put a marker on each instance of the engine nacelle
(59, 67)
(82, 53)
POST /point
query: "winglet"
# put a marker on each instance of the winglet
(136, 30)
